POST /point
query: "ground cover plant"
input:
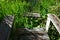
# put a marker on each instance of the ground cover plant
(20, 7)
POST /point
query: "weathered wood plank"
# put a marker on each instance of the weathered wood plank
(55, 20)
(31, 34)
(33, 15)
(5, 27)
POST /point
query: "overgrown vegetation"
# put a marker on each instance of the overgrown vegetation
(20, 7)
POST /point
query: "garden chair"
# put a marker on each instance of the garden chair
(5, 27)
(31, 34)
(55, 20)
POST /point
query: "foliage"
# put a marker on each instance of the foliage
(20, 7)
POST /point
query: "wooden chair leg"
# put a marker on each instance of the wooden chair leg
(55, 20)
(5, 27)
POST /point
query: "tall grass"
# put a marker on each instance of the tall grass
(20, 7)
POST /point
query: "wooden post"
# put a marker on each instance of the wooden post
(55, 20)
(48, 23)
(5, 27)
